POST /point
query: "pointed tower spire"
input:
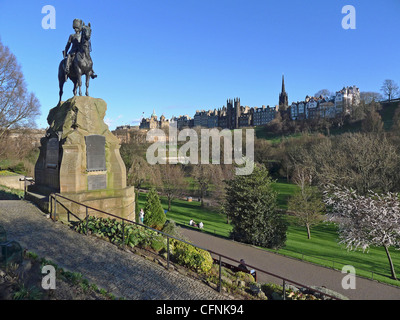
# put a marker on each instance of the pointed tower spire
(283, 97)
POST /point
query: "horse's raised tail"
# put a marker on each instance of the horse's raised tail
(61, 77)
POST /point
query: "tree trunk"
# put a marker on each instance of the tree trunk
(390, 262)
(308, 231)
(169, 203)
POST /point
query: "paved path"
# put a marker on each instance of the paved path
(295, 270)
(122, 273)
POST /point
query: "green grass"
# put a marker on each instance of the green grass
(182, 211)
(214, 222)
(7, 173)
(322, 249)
(10, 194)
(274, 138)
(285, 190)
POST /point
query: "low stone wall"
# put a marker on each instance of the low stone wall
(119, 202)
(12, 182)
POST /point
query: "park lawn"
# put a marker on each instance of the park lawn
(182, 211)
(322, 249)
(285, 190)
(214, 222)
(274, 138)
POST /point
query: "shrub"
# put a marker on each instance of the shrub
(192, 257)
(270, 288)
(154, 215)
(172, 229)
(246, 277)
(111, 229)
(158, 243)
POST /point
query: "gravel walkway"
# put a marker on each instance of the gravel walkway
(122, 273)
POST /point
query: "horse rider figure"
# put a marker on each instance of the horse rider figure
(75, 41)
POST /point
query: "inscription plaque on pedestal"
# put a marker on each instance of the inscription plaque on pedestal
(52, 152)
(97, 182)
(95, 153)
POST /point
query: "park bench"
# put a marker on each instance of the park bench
(236, 268)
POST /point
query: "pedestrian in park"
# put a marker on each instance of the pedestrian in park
(141, 216)
(242, 265)
(201, 225)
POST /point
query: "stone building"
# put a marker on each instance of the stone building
(326, 107)
(346, 98)
(153, 123)
(182, 122)
(263, 115)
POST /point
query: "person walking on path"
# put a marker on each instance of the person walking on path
(141, 216)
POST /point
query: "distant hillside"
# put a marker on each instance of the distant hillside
(387, 113)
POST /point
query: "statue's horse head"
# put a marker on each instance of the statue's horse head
(85, 38)
(86, 32)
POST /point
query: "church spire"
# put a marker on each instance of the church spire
(283, 97)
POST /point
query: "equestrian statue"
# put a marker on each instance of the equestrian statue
(77, 61)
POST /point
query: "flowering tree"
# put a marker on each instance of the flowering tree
(365, 220)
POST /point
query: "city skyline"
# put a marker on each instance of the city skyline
(184, 56)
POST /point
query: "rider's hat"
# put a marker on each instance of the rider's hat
(77, 23)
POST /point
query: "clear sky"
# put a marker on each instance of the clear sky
(178, 56)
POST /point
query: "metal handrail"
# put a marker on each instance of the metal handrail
(284, 280)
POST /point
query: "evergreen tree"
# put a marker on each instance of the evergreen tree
(154, 215)
(252, 205)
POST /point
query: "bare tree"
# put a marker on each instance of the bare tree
(18, 107)
(390, 89)
(306, 204)
(302, 177)
(173, 181)
(207, 176)
(370, 96)
(323, 92)
(141, 172)
(354, 160)
(372, 123)
(364, 221)
(307, 207)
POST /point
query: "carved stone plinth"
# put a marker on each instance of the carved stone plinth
(79, 158)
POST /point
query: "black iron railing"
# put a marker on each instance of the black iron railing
(55, 198)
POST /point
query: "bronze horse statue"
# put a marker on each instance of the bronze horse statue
(81, 64)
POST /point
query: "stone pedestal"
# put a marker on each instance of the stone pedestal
(79, 158)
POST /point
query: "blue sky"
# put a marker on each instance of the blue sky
(177, 56)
